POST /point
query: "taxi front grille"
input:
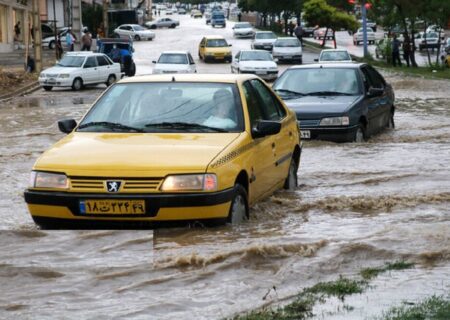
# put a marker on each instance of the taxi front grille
(128, 185)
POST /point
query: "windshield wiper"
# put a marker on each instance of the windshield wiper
(110, 125)
(183, 125)
(329, 93)
(289, 92)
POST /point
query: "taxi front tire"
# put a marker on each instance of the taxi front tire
(239, 205)
(291, 182)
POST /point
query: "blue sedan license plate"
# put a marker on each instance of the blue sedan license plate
(305, 134)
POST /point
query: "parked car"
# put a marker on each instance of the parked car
(334, 55)
(46, 31)
(134, 31)
(77, 69)
(181, 11)
(239, 143)
(243, 30)
(287, 49)
(50, 42)
(319, 33)
(106, 45)
(308, 31)
(259, 62)
(218, 19)
(426, 40)
(175, 62)
(264, 40)
(338, 102)
(358, 36)
(212, 48)
(196, 14)
(163, 23)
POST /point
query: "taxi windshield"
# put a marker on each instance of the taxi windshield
(166, 107)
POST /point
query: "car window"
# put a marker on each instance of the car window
(376, 80)
(191, 60)
(71, 61)
(256, 55)
(175, 58)
(90, 62)
(101, 60)
(254, 111)
(237, 55)
(216, 43)
(154, 106)
(46, 29)
(272, 110)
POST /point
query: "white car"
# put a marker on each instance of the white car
(175, 62)
(243, 30)
(264, 40)
(50, 41)
(358, 36)
(288, 49)
(77, 69)
(259, 62)
(134, 31)
(334, 55)
(426, 40)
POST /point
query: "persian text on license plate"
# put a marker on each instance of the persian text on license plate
(112, 206)
(305, 134)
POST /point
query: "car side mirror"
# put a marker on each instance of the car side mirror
(264, 128)
(316, 60)
(154, 61)
(230, 45)
(375, 92)
(67, 125)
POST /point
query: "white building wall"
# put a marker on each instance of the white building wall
(59, 9)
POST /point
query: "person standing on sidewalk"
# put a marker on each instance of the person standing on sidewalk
(406, 50)
(298, 31)
(17, 31)
(86, 40)
(59, 48)
(70, 40)
(396, 52)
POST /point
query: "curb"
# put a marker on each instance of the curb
(21, 91)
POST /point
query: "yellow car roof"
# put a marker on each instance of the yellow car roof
(226, 78)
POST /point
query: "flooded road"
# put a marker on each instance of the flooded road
(357, 206)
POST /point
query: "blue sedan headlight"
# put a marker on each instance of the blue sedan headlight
(335, 121)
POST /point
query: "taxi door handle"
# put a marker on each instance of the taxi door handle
(273, 145)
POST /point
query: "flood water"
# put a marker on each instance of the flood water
(358, 206)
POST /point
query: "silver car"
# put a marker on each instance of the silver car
(287, 49)
(359, 36)
(134, 31)
(163, 23)
(264, 40)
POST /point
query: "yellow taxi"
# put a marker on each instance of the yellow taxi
(213, 48)
(196, 14)
(168, 148)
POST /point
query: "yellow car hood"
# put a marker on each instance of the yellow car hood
(113, 154)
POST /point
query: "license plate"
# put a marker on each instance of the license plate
(305, 134)
(267, 47)
(51, 80)
(287, 57)
(112, 206)
(261, 72)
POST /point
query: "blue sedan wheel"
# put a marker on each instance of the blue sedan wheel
(359, 134)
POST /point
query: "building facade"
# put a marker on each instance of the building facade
(15, 23)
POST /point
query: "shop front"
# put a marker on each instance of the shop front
(15, 24)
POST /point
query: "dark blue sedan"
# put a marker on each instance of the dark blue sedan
(338, 101)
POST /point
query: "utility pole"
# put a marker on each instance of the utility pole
(364, 25)
(105, 17)
(56, 32)
(37, 36)
(76, 22)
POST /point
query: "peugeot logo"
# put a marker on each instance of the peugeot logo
(113, 186)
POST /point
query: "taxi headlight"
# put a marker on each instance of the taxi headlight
(335, 121)
(190, 182)
(40, 179)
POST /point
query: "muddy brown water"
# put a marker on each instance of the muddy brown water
(358, 205)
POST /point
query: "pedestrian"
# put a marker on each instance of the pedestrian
(156, 13)
(126, 60)
(159, 12)
(100, 31)
(17, 31)
(406, 50)
(59, 48)
(291, 28)
(298, 31)
(86, 40)
(396, 52)
(31, 65)
(239, 16)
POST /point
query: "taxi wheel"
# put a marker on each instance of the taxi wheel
(291, 181)
(239, 205)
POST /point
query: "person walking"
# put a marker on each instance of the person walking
(70, 39)
(59, 48)
(298, 31)
(17, 31)
(396, 52)
(239, 16)
(406, 50)
(86, 40)
(291, 28)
